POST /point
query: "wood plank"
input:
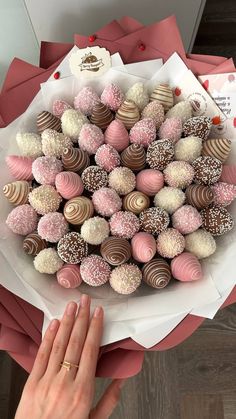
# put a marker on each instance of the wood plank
(229, 401)
(5, 382)
(18, 379)
(153, 394)
(202, 406)
(224, 322)
(208, 358)
(158, 386)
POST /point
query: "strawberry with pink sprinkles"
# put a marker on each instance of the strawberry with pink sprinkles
(171, 129)
(94, 270)
(186, 219)
(22, 220)
(143, 132)
(59, 106)
(86, 99)
(225, 193)
(124, 224)
(52, 227)
(112, 96)
(107, 157)
(106, 201)
(155, 111)
(90, 138)
(45, 169)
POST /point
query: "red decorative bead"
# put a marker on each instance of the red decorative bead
(177, 91)
(56, 75)
(205, 84)
(216, 120)
(92, 38)
(142, 47)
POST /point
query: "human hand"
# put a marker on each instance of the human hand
(52, 391)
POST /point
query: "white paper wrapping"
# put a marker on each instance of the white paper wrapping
(147, 312)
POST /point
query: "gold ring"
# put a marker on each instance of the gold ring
(68, 365)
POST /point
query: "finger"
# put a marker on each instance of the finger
(109, 400)
(78, 334)
(62, 338)
(42, 357)
(88, 361)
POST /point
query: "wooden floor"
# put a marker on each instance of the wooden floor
(196, 380)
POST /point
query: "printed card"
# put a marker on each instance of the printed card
(90, 62)
(222, 88)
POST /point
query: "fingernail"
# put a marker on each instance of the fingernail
(122, 382)
(84, 300)
(71, 307)
(53, 324)
(97, 312)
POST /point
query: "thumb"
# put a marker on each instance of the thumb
(109, 400)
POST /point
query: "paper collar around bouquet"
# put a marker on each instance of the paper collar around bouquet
(181, 310)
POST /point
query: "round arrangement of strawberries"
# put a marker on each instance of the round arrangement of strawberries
(125, 188)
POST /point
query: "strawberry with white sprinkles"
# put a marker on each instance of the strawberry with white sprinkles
(217, 220)
(72, 248)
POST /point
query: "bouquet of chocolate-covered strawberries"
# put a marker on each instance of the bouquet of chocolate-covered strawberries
(124, 188)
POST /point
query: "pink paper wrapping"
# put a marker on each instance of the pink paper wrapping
(159, 39)
(118, 360)
(20, 322)
(210, 59)
(130, 24)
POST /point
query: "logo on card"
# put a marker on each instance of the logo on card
(198, 103)
(90, 62)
